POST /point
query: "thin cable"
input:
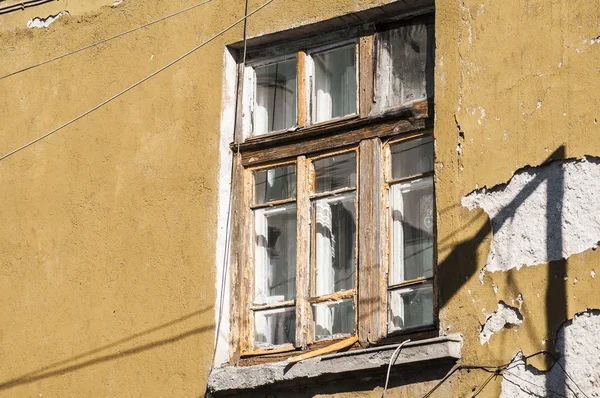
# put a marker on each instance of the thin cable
(105, 40)
(485, 383)
(393, 359)
(570, 378)
(135, 84)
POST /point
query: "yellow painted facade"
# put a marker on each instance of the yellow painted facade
(109, 226)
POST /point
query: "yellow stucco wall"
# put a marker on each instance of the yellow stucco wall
(107, 243)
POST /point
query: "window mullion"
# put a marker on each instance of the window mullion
(302, 90)
(371, 275)
(365, 70)
(302, 253)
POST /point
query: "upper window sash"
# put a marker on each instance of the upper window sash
(270, 95)
(333, 74)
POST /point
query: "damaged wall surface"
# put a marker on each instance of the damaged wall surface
(576, 372)
(522, 232)
(109, 265)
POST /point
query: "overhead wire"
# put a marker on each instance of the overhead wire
(104, 40)
(135, 84)
(499, 371)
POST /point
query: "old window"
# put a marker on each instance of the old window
(334, 222)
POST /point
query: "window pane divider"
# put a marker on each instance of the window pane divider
(411, 282)
(279, 304)
(273, 203)
(410, 178)
(331, 193)
(344, 294)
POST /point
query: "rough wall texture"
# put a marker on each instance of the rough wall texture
(514, 88)
(522, 232)
(107, 263)
(576, 373)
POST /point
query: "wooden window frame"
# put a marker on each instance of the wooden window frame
(369, 135)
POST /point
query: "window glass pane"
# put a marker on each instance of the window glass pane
(335, 172)
(411, 205)
(410, 307)
(335, 235)
(275, 97)
(274, 184)
(412, 157)
(275, 327)
(333, 319)
(275, 269)
(335, 83)
(405, 59)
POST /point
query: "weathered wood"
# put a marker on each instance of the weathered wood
(277, 357)
(345, 294)
(237, 306)
(365, 75)
(302, 89)
(248, 265)
(303, 311)
(369, 242)
(269, 351)
(238, 134)
(410, 112)
(337, 140)
(326, 350)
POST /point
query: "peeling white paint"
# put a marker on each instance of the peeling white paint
(543, 214)
(222, 259)
(579, 355)
(38, 22)
(505, 317)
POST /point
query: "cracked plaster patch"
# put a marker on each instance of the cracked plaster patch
(543, 214)
(505, 318)
(577, 342)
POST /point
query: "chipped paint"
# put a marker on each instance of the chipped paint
(522, 233)
(38, 22)
(505, 317)
(577, 371)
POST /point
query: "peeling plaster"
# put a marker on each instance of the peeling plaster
(505, 318)
(523, 234)
(38, 22)
(577, 341)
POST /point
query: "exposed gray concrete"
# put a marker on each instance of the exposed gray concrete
(523, 231)
(229, 379)
(505, 318)
(578, 342)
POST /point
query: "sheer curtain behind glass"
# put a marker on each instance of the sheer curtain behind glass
(335, 83)
(275, 97)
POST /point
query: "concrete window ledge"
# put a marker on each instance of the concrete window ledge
(231, 379)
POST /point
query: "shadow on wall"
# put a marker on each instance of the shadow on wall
(462, 262)
(87, 358)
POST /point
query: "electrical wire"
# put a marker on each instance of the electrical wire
(136, 83)
(104, 40)
(393, 359)
(500, 370)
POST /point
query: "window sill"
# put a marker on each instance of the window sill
(342, 365)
